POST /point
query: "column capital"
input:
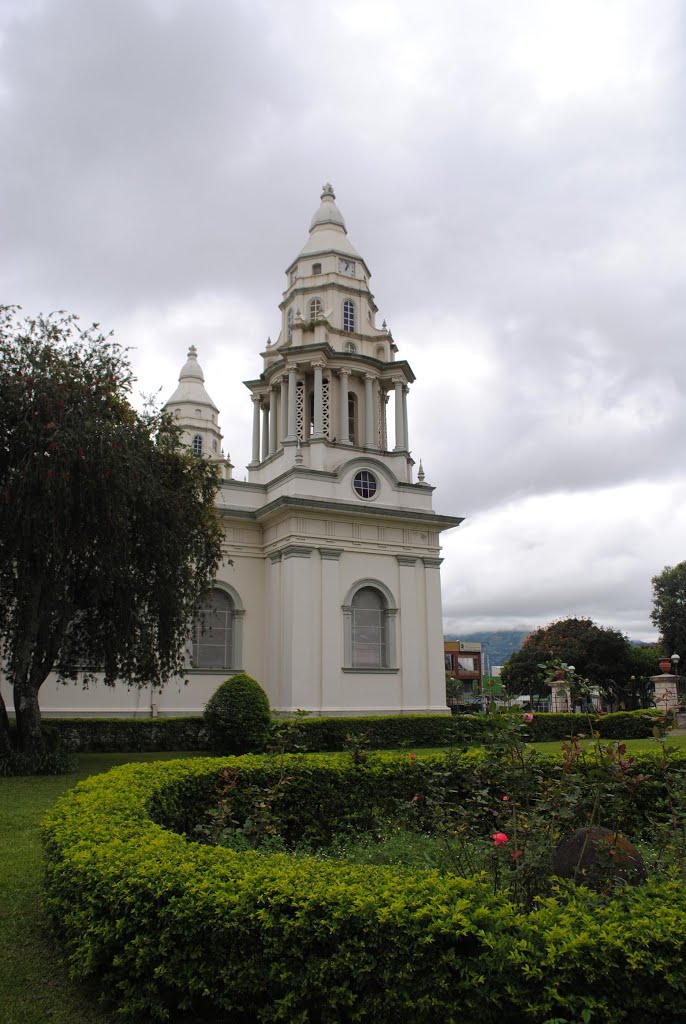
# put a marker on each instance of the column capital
(371, 377)
(277, 381)
(291, 368)
(318, 364)
(257, 399)
(345, 372)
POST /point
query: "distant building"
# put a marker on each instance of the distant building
(463, 660)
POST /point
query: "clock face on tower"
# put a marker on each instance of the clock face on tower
(346, 267)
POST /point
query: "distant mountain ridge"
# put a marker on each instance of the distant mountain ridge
(499, 644)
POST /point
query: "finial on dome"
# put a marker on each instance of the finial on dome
(192, 368)
(269, 341)
(384, 325)
(421, 475)
(328, 213)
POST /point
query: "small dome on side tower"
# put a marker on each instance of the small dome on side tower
(195, 412)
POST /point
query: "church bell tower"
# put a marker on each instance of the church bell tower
(325, 388)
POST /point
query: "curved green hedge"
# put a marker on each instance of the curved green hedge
(164, 925)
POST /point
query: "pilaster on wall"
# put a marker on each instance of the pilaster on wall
(331, 653)
(301, 609)
(433, 653)
(411, 623)
(275, 683)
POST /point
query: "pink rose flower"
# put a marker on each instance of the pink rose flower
(505, 799)
(499, 838)
(528, 717)
(517, 854)
(413, 757)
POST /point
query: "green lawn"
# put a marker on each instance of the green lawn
(675, 740)
(34, 984)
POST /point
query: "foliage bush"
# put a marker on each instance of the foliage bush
(107, 735)
(128, 735)
(167, 926)
(390, 731)
(626, 725)
(238, 716)
(51, 762)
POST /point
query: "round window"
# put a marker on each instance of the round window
(365, 484)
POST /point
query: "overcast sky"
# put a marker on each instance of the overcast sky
(513, 174)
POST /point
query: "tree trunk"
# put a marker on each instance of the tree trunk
(5, 735)
(29, 734)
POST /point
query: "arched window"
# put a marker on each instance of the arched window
(197, 446)
(213, 644)
(315, 309)
(348, 315)
(350, 348)
(289, 325)
(369, 628)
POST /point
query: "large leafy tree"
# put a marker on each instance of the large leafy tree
(669, 610)
(600, 654)
(108, 529)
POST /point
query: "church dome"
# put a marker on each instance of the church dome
(191, 386)
(328, 212)
(328, 232)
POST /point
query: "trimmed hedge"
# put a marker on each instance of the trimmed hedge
(128, 735)
(107, 735)
(390, 731)
(625, 725)
(164, 925)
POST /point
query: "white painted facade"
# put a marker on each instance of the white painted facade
(330, 519)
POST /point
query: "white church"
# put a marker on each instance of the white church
(333, 598)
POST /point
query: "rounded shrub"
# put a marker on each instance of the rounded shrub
(238, 716)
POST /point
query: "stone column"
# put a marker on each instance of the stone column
(284, 410)
(666, 696)
(384, 419)
(369, 441)
(255, 430)
(265, 432)
(406, 439)
(399, 417)
(292, 434)
(318, 431)
(343, 400)
(272, 420)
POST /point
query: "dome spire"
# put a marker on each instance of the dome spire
(328, 212)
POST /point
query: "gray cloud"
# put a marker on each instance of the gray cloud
(514, 176)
